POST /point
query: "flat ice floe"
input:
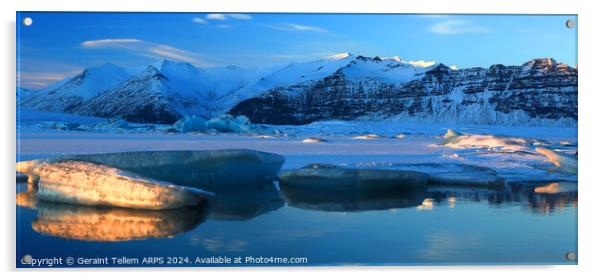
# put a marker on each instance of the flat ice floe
(458, 174)
(457, 140)
(147, 180)
(338, 179)
(562, 162)
(86, 183)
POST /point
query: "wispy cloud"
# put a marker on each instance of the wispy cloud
(199, 20)
(148, 49)
(224, 17)
(457, 26)
(297, 27)
(240, 16)
(109, 42)
(37, 80)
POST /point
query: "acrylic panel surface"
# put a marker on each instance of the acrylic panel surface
(195, 139)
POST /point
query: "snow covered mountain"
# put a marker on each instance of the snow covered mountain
(69, 94)
(540, 92)
(343, 86)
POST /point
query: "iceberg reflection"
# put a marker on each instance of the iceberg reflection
(542, 198)
(87, 223)
(324, 200)
(244, 201)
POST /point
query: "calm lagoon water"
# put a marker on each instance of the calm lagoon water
(443, 226)
(448, 227)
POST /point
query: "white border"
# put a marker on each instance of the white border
(589, 132)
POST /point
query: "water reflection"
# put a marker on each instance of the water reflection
(239, 202)
(542, 198)
(312, 199)
(109, 224)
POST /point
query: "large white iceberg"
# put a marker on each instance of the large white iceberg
(147, 180)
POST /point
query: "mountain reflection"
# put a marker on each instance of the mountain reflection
(109, 224)
(542, 198)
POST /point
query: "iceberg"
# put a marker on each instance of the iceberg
(224, 123)
(562, 162)
(147, 180)
(86, 223)
(87, 183)
(190, 124)
(228, 123)
(320, 178)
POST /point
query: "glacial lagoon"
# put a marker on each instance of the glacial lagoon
(527, 222)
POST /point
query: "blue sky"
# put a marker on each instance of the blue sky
(58, 45)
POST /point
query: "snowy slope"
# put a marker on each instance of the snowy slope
(67, 95)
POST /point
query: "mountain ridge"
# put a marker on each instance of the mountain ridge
(343, 86)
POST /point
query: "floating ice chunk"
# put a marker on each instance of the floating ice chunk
(451, 133)
(314, 140)
(368, 136)
(114, 224)
(115, 123)
(557, 187)
(228, 123)
(565, 143)
(59, 125)
(198, 169)
(225, 123)
(455, 174)
(563, 163)
(334, 178)
(426, 204)
(87, 183)
(190, 124)
(400, 136)
(477, 141)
